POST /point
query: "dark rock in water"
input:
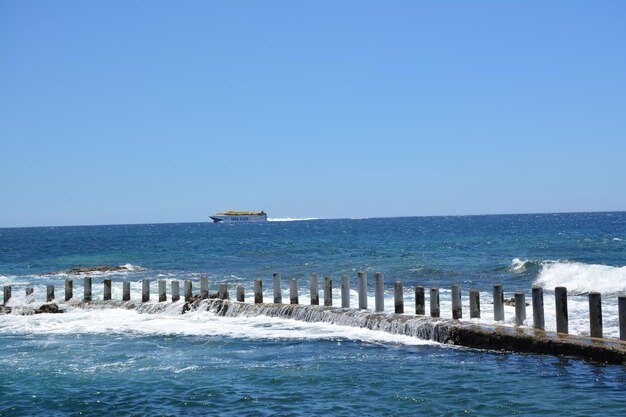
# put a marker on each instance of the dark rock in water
(511, 302)
(80, 270)
(5, 310)
(48, 308)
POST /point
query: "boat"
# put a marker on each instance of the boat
(239, 217)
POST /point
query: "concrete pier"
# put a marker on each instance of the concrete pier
(345, 291)
(175, 291)
(49, 293)
(7, 294)
(328, 291)
(363, 290)
(87, 289)
(520, 308)
(457, 308)
(474, 304)
(379, 296)
(293, 291)
(498, 302)
(125, 291)
(621, 305)
(595, 314)
(434, 303)
(445, 331)
(145, 290)
(241, 297)
(204, 287)
(560, 298)
(162, 292)
(538, 315)
(106, 284)
(278, 293)
(315, 294)
(398, 297)
(188, 290)
(69, 289)
(420, 303)
(222, 293)
(258, 291)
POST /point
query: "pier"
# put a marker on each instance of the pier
(519, 337)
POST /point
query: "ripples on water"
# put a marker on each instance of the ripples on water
(122, 363)
(177, 375)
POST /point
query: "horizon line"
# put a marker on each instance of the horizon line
(278, 219)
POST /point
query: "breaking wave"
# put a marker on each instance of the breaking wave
(579, 277)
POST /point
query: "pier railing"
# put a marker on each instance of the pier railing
(538, 321)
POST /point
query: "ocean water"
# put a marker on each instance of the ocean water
(117, 361)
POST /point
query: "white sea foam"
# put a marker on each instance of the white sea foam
(517, 265)
(579, 277)
(195, 323)
(289, 219)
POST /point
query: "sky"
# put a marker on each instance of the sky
(116, 112)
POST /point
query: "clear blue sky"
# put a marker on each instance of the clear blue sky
(168, 111)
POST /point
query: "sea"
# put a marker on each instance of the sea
(120, 361)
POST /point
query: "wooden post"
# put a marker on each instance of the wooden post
(258, 291)
(474, 303)
(162, 292)
(328, 291)
(595, 314)
(293, 291)
(498, 302)
(345, 291)
(204, 287)
(520, 308)
(457, 308)
(398, 297)
(560, 297)
(240, 294)
(175, 291)
(69, 289)
(621, 306)
(222, 294)
(379, 296)
(87, 289)
(125, 291)
(188, 289)
(7, 293)
(29, 295)
(107, 290)
(420, 305)
(434, 302)
(278, 294)
(49, 293)
(538, 316)
(315, 294)
(145, 290)
(363, 290)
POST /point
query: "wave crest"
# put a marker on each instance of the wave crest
(579, 277)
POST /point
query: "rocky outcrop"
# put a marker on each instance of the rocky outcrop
(80, 270)
(48, 308)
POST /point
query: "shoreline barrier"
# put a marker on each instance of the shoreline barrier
(501, 337)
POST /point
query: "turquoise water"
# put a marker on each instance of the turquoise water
(121, 362)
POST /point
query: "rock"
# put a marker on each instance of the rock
(80, 270)
(511, 302)
(48, 308)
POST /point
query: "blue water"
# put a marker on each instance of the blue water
(120, 362)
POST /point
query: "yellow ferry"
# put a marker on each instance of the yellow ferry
(239, 217)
